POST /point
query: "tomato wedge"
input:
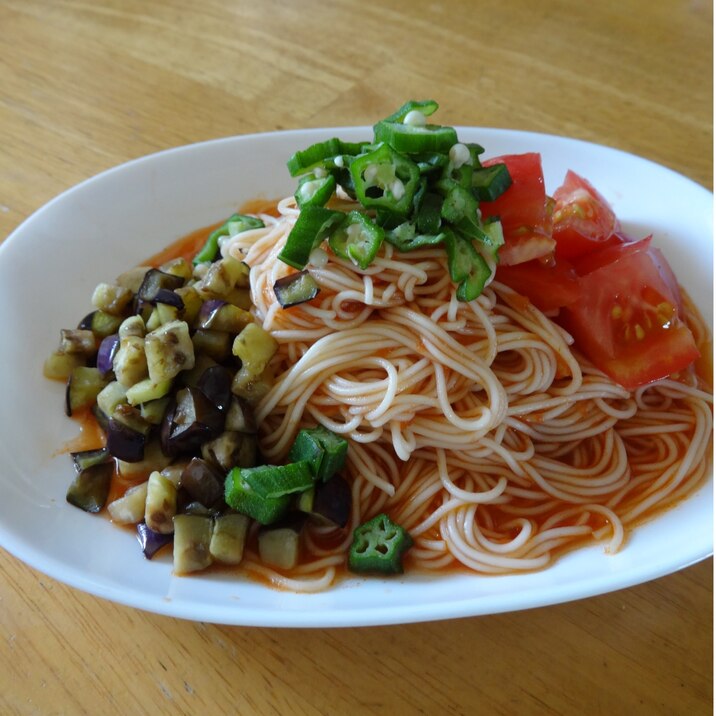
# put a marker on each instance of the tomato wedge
(627, 320)
(583, 220)
(548, 286)
(524, 210)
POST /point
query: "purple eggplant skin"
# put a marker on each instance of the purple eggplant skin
(124, 443)
(154, 281)
(105, 355)
(296, 289)
(90, 488)
(202, 482)
(215, 384)
(167, 296)
(151, 542)
(208, 308)
(189, 422)
(332, 501)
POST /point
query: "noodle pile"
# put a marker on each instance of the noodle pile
(473, 425)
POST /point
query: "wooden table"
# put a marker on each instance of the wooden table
(87, 85)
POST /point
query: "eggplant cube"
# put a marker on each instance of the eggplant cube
(192, 537)
(112, 299)
(169, 350)
(129, 509)
(130, 361)
(161, 505)
(255, 347)
(228, 538)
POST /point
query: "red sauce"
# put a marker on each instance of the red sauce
(92, 437)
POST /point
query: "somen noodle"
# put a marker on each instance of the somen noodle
(474, 425)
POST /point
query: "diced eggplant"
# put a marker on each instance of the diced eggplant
(255, 347)
(124, 443)
(216, 344)
(130, 361)
(161, 505)
(105, 355)
(296, 289)
(192, 303)
(153, 411)
(222, 277)
(89, 458)
(112, 395)
(178, 267)
(196, 508)
(228, 538)
(133, 278)
(240, 297)
(174, 471)
(113, 299)
(90, 488)
(328, 502)
(191, 422)
(215, 383)
(202, 482)
(154, 281)
(132, 326)
(231, 449)
(279, 545)
(151, 542)
(190, 378)
(240, 417)
(83, 386)
(167, 297)
(169, 351)
(250, 387)
(59, 365)
(147, 390)
(153, 459)
(101, 417)
(100, 323)
(192, 540)
(78, 340)
(127, 434)
(222, 316)
(129, 509)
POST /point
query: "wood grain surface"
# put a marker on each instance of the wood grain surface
(85, 85)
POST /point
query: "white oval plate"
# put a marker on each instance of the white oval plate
(49, 267)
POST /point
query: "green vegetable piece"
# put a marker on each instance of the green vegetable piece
(320, 154)
(458, 203)
(357, 239)
(324, 451)
(467, 268)
(428, 218)
(415, 139)
(235, 224)
(378, 547)
(315, 191)
(385, 179)
(240, 496)
(313, 225)
(426, 107)
(488, 183)
(405, 238)
(272, 481)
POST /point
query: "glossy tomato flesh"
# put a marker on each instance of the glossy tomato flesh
(548, 285)
(627, 320)
(524, 210)
(583, 221)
